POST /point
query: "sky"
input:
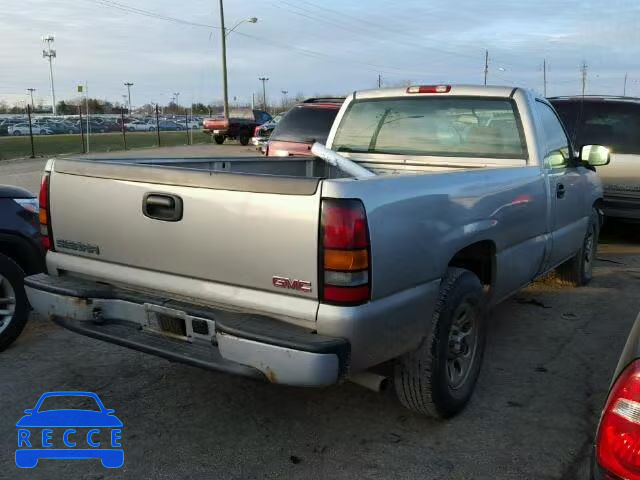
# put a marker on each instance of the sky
(314, 47)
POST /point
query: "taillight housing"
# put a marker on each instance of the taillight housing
(618, 438)
(345, 253)
(46, 236)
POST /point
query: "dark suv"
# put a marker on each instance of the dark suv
(306, 123)
(21, 253)
(614, 122)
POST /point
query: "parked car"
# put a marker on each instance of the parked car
(614, 122)
(304, 124)
(240, 125)
(354, 270)
(262, 132)
(615, 453)
(63, 127)
(169, 125)
(21, 253)
(23, 129)
(139, 126)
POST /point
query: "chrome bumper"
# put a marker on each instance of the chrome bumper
(242, 344)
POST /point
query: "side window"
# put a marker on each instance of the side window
(556, 153)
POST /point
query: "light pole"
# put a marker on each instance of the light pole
(129, 85)
(176, 95)
(264, 81)
(223, 37)
(31, 90)
(50, 53)
(284, 98)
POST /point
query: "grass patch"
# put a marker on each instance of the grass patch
(49, 145)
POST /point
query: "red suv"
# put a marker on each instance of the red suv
(306, 123)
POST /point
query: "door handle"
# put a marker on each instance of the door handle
(560, 190)
(162, 206)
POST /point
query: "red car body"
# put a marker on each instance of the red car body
(302, 126)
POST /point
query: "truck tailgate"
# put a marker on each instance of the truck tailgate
(239, 230)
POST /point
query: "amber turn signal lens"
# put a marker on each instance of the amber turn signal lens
(42, 215)
(346, 259)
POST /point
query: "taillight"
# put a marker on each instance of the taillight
(45, 214)
(345, 256)
(256, 131)
(429, 89)
(618, 439)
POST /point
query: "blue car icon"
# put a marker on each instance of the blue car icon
(41, 427)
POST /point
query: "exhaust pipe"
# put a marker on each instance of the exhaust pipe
(372, 381)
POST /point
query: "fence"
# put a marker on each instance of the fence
(82, 134)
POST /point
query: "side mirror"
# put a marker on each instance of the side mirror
(595, 155)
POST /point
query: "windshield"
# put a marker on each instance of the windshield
(614, 124)
(69, 402)
(469, 127)
(305, 125)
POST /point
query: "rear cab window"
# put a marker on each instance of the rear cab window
(305, 124)
(456, 126)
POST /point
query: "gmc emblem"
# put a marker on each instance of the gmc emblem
(284, 282)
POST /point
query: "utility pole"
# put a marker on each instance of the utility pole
(379, 81)
(223, 36)
(544, 75)
(486, 65)
(583, 69)
(129, 85)
(50, 53)
(624, 89)
(264, 91)
(33, 108)
(284, 98)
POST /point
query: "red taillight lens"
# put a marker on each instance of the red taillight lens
(344, 224)
(345, 252)
(256, 131)
(618, 439)
(45, 214)
(429, 89)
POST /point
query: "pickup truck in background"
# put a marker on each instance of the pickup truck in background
(376, 260)
(240, 124)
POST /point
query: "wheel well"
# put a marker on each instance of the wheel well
(478, 258)
(22, 255)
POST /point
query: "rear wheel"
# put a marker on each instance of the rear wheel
(14, 306)
(43, 132)
(244, 138)
(219, 139)
(578, 271)
(17, 132)
(439, 377)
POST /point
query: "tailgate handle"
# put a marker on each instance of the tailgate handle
(162, 206)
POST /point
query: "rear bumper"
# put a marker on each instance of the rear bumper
(217, 131)
(239, 343)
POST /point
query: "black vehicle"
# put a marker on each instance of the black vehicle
(62, 127)
(21, 254)
(615, 454)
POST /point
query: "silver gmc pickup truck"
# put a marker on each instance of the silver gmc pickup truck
(376, 259)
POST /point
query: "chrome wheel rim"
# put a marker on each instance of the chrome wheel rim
(7, 303)
(463, 343)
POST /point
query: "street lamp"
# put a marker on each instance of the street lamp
(264, 81)
(50, 53)
(225, 92)
(246, 20)
(33, 108)
(129, 85)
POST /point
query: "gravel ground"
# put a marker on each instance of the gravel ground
(549, 358)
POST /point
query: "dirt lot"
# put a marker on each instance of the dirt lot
(547, 368)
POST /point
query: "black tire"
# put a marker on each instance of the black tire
(152, 129)
(43, 132)
(578, 271)
(219, 139)
(426, 380)
(71, 132)
(11, 272)
(244, 138)
(17, 133)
